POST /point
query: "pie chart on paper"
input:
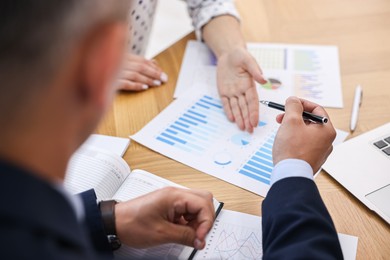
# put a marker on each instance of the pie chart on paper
(272, 84)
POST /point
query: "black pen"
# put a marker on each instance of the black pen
(306, 115)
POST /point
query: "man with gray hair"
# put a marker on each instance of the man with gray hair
(58, 60)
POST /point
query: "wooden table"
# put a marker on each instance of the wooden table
(361, 30)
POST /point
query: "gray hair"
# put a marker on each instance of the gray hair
(36, 37)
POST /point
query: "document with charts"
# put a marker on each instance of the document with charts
(194, 131)
(237, 235)
(308, 71)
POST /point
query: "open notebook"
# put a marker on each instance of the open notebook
(235, 235)
(112, 178)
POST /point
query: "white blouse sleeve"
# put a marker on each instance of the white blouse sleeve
(202, 11)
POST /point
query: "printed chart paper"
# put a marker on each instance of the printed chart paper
(308, 71)
(194, 131)
(237, 235)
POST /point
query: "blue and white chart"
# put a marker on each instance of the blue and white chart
(195, 131)
(308, 71)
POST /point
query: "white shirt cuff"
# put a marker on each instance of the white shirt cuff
(291, 168)
(202, 13)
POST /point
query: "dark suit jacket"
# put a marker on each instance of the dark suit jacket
(296, 223)
(37, 221)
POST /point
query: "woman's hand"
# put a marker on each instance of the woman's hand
(139, 74)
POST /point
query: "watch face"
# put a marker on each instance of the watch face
(114, 241)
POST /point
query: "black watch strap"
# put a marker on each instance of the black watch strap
(107, 209)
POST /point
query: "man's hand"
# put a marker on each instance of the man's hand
(139, 74)
(168, 215)
(297, 139)
(237, 72)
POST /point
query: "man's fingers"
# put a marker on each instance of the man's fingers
(198, 209)
(203, 193)
(311, 107)
(316, 109)
(293, 109)
(180, 234)
(186, 235)
(279, 118)
(204, 228)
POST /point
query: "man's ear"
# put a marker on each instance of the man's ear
(102, 56)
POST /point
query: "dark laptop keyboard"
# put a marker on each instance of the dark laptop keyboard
(384, 145)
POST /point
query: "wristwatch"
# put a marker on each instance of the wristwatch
(107, 209)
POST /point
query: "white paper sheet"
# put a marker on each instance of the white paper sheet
(308, 71)
(237, 235)
(194, 131)
(170, 24)
(116, 145)
(348, 246)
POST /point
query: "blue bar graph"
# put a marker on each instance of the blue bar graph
(196, 128)
(259, 166)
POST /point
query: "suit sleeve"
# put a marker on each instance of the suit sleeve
(296, 223)
(94, 223)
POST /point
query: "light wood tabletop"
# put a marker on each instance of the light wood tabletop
(360, 29)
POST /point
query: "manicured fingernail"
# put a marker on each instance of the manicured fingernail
(164, 77)
(145, 86)
(197, 244)
(156, 82)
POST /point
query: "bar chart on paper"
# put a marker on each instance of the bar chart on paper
(195, 131)
(308, 71)
(260, 165)
(197, 128)
(270, 58)
(306, 60)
